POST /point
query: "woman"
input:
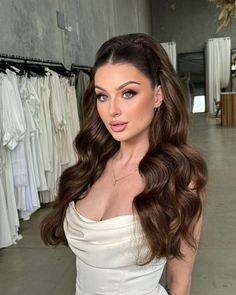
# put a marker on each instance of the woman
(133, 202)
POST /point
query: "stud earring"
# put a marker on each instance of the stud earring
(156, 110)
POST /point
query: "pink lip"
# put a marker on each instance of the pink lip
(118, 126)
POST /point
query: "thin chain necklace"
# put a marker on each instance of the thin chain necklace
(115, 180)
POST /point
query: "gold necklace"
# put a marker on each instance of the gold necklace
(115, 180)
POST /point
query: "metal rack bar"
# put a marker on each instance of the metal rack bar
(28, 59)
(80, 67)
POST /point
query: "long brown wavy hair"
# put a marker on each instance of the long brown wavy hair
(175, 173)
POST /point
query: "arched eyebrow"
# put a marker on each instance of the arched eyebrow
(120, 87)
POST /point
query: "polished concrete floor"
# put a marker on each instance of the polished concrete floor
(30, 268)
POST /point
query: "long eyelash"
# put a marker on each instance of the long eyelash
(132, 92)
(98, 96)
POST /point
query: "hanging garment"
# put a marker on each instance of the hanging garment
(58, 112)
(37, 83)
(45, 96)
(38, 123)
(34, 106)
(72, 118)
(81, 84)
(31, 192)
(170, 48)
(5, 231)
(12, 131)
(13, 121)
(7, 182)
(218, 51)
(18, 157)
(48, 196)
(57, 103)
(72, 103)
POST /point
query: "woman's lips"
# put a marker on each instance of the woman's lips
(118, 126)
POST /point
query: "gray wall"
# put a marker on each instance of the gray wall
(29, 27)
(189, 23)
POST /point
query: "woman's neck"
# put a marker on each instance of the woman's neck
(130, 154)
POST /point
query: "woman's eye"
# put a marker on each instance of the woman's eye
(101, 97)
(129, 94)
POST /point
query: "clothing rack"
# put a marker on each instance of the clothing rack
(28, 59)
(77, 68)
(34, 64)
(80, 67)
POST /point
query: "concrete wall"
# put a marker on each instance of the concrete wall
(189, 23)
(29, 27)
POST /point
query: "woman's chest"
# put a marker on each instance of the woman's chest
(106, 200)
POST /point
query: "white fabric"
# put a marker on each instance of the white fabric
(31, 193)
(18, 159)
(34, 105)
(12, 131)
(13, 122)
(72, 118)
(170, 48)
(57, 104)
(49, 196)
(45, 96)
(106, 256)
(37, 83)
(5, 232)
(57, 112)
(7, 182)
(218, 52)
(38, 122)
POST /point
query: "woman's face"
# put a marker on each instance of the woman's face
(125, 101)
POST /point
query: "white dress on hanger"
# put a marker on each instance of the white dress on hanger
(13, 120)
(106, 256)
(74, 111)
(5, 231)
(58, 116)
(58, 111)
(34, 105)
(48, 196)
(37, 84)
(18, 156)
(72, 118)
(45, 99)
(12, 131)
(31, 193)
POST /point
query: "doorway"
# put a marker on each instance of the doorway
(191, 71)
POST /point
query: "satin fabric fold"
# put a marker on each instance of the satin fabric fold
(107, 255)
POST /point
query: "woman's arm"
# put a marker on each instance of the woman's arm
(179, 271)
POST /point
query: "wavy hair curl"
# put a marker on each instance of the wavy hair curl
(175, 173)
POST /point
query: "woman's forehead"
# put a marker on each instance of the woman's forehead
(112, 70)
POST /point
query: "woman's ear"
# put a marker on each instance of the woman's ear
(158, 96)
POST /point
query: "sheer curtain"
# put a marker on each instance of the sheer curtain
(170, 48)
(218, 51)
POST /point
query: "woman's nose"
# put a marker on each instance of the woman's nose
(114, 108)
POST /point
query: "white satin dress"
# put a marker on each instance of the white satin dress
(107, 252)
